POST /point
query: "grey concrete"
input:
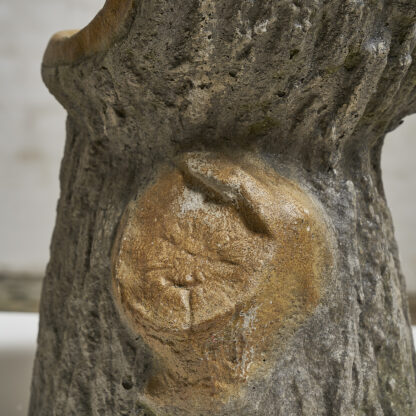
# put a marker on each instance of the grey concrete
(32, 132)
(17, 348)
(312, 87)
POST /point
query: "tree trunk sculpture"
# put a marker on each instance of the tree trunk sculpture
(223, 244)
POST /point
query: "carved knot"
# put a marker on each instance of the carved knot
(212, 261)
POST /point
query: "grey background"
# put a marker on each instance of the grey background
(32, 126)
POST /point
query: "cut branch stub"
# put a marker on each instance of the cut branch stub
(70, 46)
(214, 265)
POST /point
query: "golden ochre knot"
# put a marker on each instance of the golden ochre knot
(214, 264)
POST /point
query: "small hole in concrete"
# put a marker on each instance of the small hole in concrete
(127, 384)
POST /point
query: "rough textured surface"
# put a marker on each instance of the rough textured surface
(215, 266)
(69, 46)
(312, 87)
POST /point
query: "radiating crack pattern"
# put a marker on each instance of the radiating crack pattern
(190, 253)
(208, 263)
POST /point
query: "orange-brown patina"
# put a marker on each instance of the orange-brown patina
(215, 264)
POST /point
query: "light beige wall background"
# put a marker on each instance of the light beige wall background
(32, 133)
(399, 174)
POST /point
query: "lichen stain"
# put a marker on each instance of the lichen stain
(215, 265)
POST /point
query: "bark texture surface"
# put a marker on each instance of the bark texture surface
(310, 87)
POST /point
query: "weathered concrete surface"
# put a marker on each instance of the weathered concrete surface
(311, 88)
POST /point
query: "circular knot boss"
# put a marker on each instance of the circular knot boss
(215, 265)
